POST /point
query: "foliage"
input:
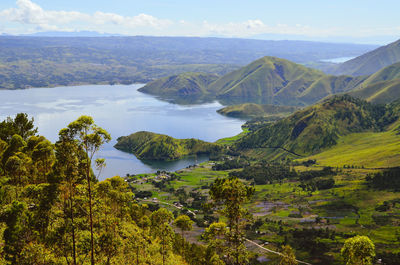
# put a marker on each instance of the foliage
(358, 250)
(231, 194)
(20, 125)
(388, 179)
(288, 257)
(263, 173)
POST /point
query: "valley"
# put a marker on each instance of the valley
(234, 152)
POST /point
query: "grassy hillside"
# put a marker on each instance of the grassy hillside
(381, 92)
(252, 110)
(268, 80)
(263, 79)
(370, 149)
(381, 87)
(370, 62)
(313, 129)
(182, 85)
(152, 146)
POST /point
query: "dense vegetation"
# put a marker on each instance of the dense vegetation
(48, 61)
(152, 146)
(53, 210)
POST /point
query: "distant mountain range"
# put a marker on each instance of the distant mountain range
(268, 80)
(70, 34)
(28, 61)
(272, 80)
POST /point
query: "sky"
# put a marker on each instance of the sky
(360, 21)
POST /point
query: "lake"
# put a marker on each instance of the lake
(121, 110)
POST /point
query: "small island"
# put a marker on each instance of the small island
(152, 146)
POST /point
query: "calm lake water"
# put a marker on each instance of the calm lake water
(121, 110)
(338, 60)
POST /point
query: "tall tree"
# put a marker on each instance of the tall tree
(91, 138)
(68, 168)
(358, 250)
(185, 224)
(160, 220)
(232, 193)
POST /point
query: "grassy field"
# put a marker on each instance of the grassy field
(233, 139)
(371, 150)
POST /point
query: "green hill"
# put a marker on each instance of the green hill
(318, 127)
(262, 80)
(252, 110)
(153, 146)
(381, 92)
(182, 85)
(370, 62)
(381, 87)
(268, 80)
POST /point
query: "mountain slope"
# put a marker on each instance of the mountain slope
(261, 80)
(268, 80)
(370, 62)
(381, 87)
(182, 85)
(317, 127)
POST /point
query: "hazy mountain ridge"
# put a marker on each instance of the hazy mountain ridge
(381, 87)
(60, 61)
(370, 62)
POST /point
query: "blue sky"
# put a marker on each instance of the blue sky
(352, 20)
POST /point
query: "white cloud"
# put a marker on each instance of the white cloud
(30, 14)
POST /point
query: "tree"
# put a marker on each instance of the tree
(160, 226)
(232, 194)
(214, 235)
(91, 138)
(17, 167)
(17, 144)
(288, 257)
(358, 250)
(43, 157)
(185, 224)
(68, 167)
(20, 125)
(16, 218)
